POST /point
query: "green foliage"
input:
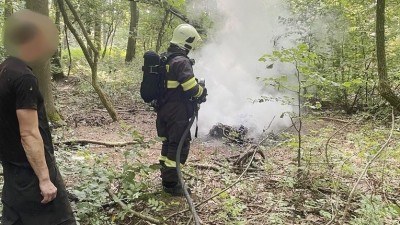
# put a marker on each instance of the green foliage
(373, 210)
(232, 209)
(342, 34)
(156, 205)
(3, 53)
(96, 178)
(304, 64)
(92, 192)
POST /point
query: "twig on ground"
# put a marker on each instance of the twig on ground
(334, 119)
(242, 160)
(191, 175)
(234, 183)
(330, 138)
(394, 201)
(205, 167)
(234, 157)
(190, 220)
(86, 142)
(367, 166)
(236, 169)
(134, 213)
(225, 189)
(335, 214)
(121, 110)
(267, 211)
(220, 164)
(270, 123)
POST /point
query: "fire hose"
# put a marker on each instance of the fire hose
(178, 167)
(189, 199)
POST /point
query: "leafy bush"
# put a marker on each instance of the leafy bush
(95, 178)
(374, 211)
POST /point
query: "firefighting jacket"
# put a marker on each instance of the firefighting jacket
(180, 80)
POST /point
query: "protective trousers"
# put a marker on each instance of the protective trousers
(172, 121)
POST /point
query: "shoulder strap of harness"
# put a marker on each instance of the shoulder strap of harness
(168, 56)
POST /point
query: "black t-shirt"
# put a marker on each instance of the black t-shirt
(19, 90)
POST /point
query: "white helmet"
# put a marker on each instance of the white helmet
(186, 37)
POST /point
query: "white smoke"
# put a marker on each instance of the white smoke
(243, 31)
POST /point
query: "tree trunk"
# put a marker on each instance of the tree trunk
(91, 60)
(39, 6)
(97, 34)
(57, 16)
(89, 31)
(103, 97)
(131, 47)
(384, 82)
(8, 8)
(57, 71)
(162, 31)
(107, 35)
(112, 38)
(42, 71)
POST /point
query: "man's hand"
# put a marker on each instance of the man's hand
(48, 191)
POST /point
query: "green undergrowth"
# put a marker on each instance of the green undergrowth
(94, 177)
(330, 171)
(278, 193)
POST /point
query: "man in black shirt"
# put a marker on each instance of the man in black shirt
(34, 192)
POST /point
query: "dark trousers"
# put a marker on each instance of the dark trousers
(21, 198)
(172, 121)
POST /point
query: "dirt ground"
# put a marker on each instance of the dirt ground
(267, 194)
(90, 121)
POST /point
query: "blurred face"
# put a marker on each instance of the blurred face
(35, 36)
(35, 50)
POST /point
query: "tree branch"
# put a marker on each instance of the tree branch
(84, 32)
(86, 142)
(134, 213)
(75, 33)
(165, 5)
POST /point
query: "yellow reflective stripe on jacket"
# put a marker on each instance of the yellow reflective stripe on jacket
(200, 92)
(163, 158)
(170, 163)
(167, 68)
(189, 84)
(172, 84)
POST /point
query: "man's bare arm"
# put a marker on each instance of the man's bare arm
(34, 149)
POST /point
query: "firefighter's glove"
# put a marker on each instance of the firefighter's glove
(203, 97)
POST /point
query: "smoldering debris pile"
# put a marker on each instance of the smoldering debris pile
(240, 135)
(248, 151)
(234, 135)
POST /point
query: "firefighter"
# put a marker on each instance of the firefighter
(177, 105)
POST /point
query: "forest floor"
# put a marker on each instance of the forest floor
(335, 151)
